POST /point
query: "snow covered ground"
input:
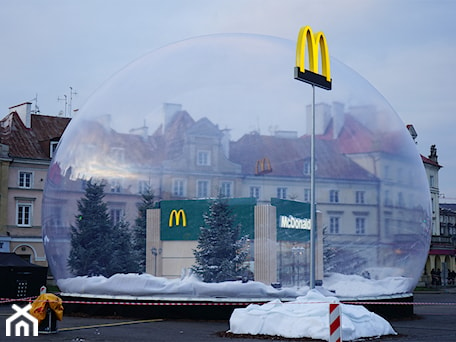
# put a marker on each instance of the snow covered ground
(307, 316)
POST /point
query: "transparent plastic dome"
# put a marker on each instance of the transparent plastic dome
(222, 115)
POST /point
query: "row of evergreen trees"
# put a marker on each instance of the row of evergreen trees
(101, 247)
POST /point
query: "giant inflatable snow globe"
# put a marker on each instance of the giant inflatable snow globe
(188, 174)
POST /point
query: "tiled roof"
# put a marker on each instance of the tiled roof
(354, 137)
(430, 161)
(31, 143)
(288, 156)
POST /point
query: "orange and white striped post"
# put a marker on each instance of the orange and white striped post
(335, 327)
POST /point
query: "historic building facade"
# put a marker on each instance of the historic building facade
(188, 159)
(27, 143)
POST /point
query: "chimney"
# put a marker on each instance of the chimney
(433, 156)
(338, 118)
(412, 132)
(226, 137)
(24, 110)
(170, 109)
(322, 118)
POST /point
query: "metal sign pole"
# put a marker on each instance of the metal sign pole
(324, 81)
(312, 196)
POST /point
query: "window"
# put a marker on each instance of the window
(226, 189)
(178, 187)
(56, 217)
(255, 192)
(203, 158)
(431, 181)
(307, 167)
(388, 228)
(202, 189)
(53, 148)
(387, 200)
(24, 214)
(115, 186)
(116, 215)
(386, 171)
(334, 225)
(360, 225)
(282, 193)
(25, 179)
(359, 197)
(400, 199)
(334, 196)
(307, 195)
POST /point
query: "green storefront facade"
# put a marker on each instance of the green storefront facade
(182, 219)
(278, 233)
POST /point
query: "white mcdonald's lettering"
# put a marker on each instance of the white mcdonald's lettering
(294, 222)
(176, 215)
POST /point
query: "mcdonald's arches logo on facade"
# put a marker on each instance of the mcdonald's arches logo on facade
(263, 166)
(314, 42)
(176, 215)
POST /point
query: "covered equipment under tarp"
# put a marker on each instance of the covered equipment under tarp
(20, 278)
(44, 302)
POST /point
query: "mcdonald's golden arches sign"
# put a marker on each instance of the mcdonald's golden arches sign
(175, 218)
(313, 42)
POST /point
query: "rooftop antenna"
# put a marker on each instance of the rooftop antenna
(71, 101)
(66, 103)
(36, 110)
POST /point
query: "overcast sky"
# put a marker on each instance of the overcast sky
(405, 49)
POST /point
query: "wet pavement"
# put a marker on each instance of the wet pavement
(434, 320)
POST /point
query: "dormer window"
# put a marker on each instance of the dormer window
(307, 167)
(53, 148)
(203, 158)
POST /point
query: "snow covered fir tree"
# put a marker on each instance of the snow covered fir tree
(98, 246)
(220, 252)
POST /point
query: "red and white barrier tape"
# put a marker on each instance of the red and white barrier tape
(195, 303)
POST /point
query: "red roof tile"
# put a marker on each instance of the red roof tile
(34, 142)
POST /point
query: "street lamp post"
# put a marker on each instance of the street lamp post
(155, 253)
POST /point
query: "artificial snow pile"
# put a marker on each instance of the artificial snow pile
(307, 316)
(343, 285)
(140, 285)
(133, 284)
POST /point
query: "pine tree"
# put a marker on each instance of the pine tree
(139, 230)
(91, 243)
(220, 252)
(123, 258)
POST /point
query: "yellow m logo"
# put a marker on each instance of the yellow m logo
(263, 166)
(314, 41)
(176, 215)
